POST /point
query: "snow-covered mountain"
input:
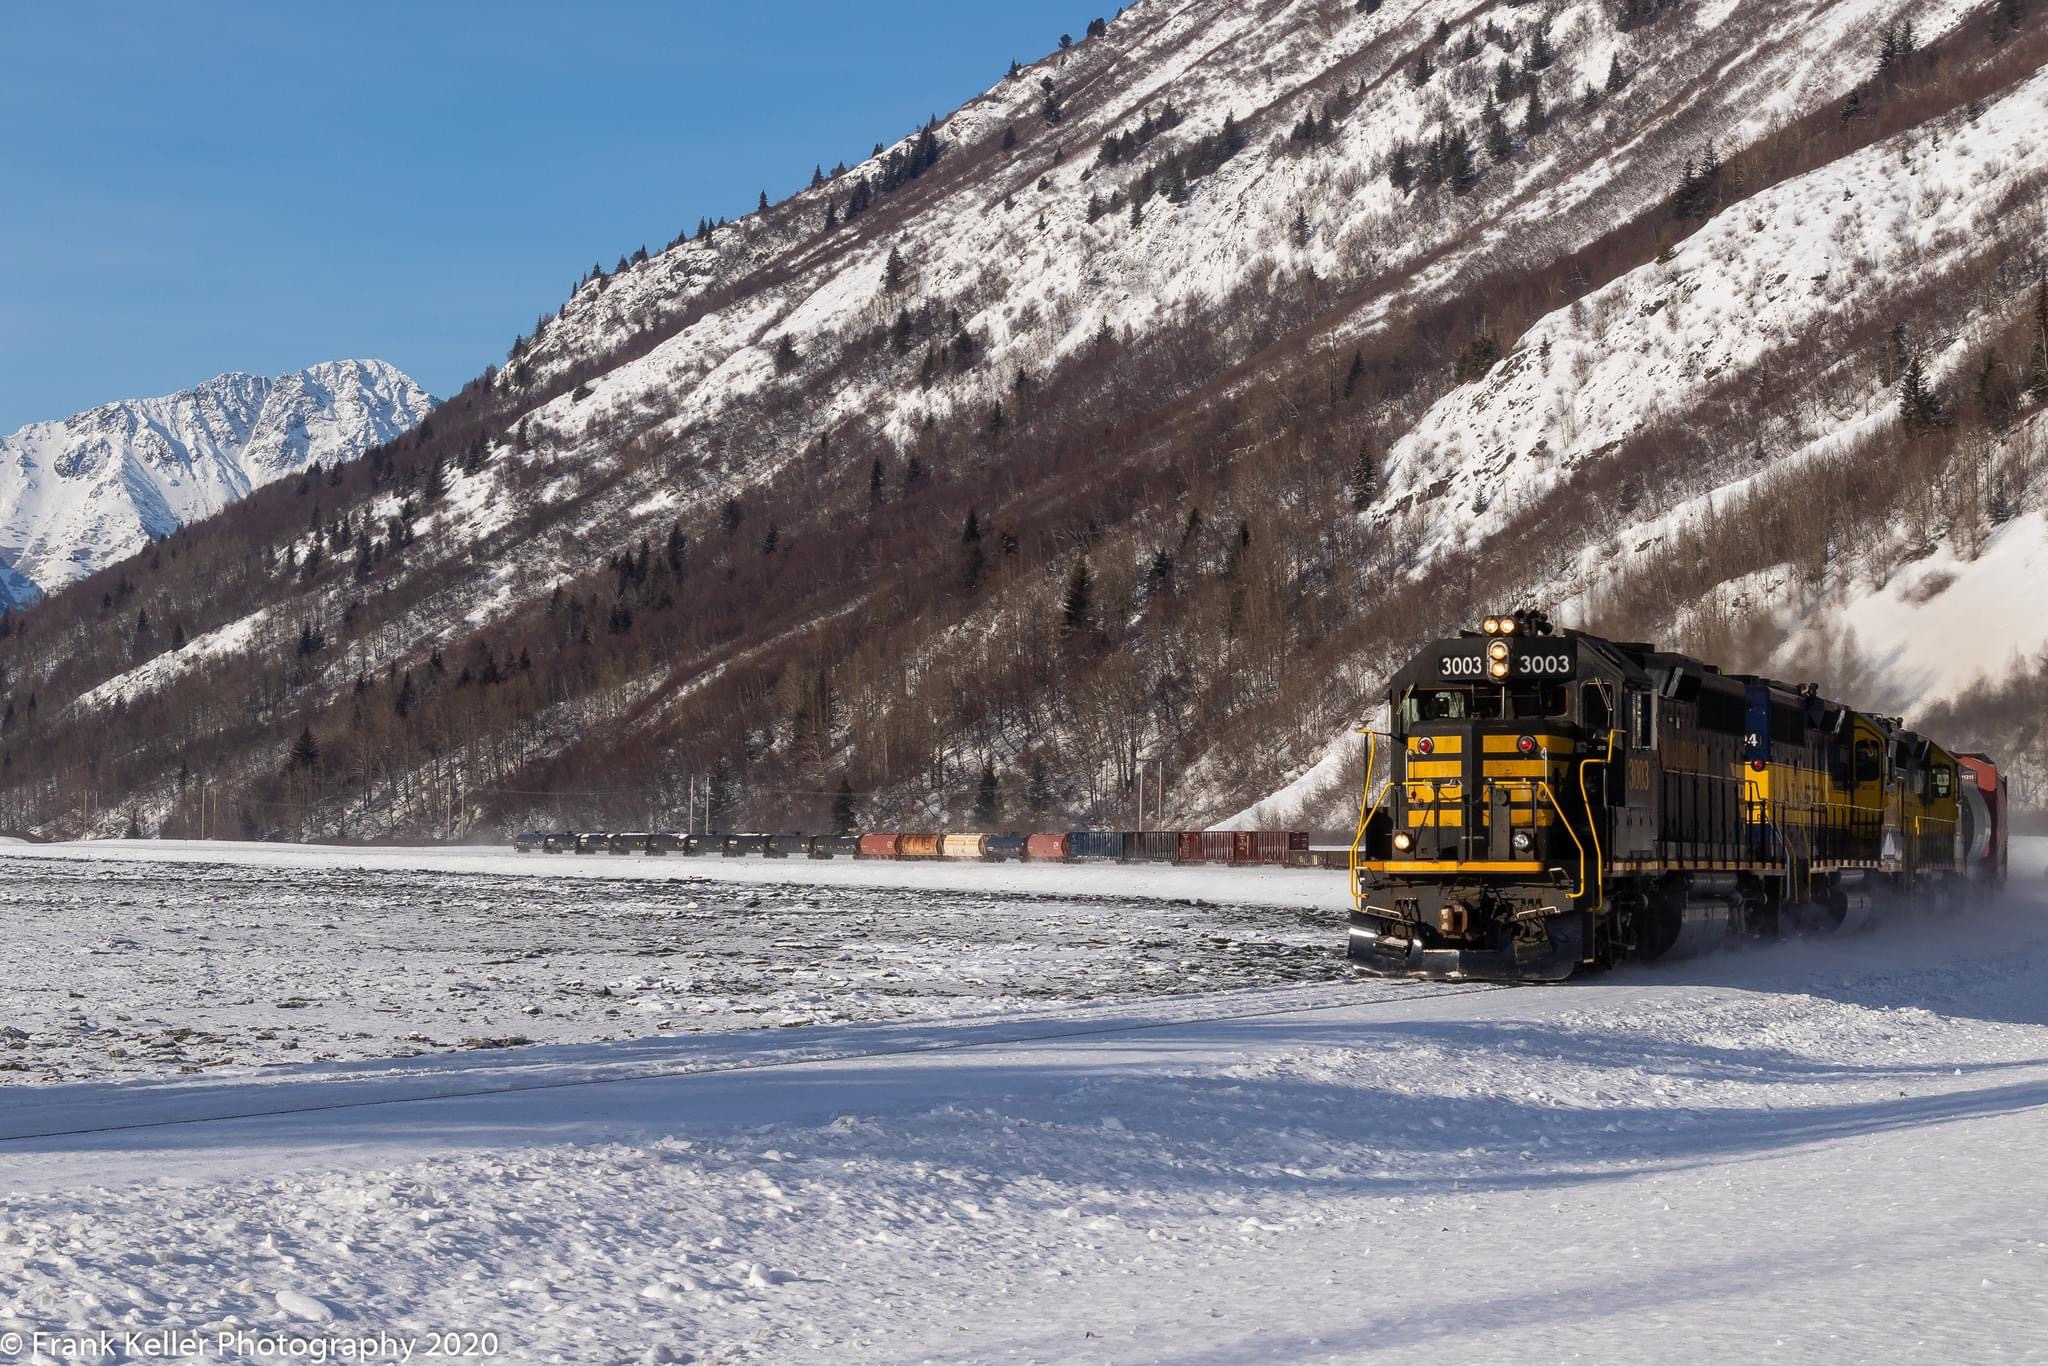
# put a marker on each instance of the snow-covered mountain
(83, 492)
(1138, 417)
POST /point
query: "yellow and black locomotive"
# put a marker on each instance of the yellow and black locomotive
(1558, 800)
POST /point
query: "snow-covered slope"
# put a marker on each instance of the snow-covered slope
(83, 492)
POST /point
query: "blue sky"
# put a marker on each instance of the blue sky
(192, 188)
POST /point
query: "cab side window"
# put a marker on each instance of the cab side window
(1869, 761)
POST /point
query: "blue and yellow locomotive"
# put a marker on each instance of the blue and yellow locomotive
(1558, 800)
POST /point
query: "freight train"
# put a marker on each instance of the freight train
(1559, 801)
(1268, 847)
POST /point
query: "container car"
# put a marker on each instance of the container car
(1151, 846)
(1095, 844)
(1208, 846)
(1271, 847)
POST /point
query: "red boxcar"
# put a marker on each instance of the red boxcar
(1268, 846)
(879, 846)
(1046, 848)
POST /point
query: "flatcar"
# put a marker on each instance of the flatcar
(1559, 801)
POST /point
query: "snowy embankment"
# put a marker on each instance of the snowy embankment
(1822, 1151)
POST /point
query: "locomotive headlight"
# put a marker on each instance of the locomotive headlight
(1507, 626)
(1404, 841)
(1491, 626)
(1497, 650)
(1499, 668)
(1524, 840)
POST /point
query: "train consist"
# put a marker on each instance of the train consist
(1558, 801)
(1110, 846)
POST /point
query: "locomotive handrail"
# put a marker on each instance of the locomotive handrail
(1365, 813)
(1592, 825)
(1580, 890)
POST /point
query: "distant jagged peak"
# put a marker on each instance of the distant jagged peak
(79, 492)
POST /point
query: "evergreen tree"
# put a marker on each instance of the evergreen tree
(876, 474)
(722, 802)
(786, 358)
(1038, 793)
(1421, 71)
(1076, 604)
(1541, 54)
(1499, 145)
(1535, 118)
(1302, 230)
(305, 752)
(977, 558)
(893, 273)
(1355, 374)
(1920, 408)
(1399, 170)
(178, 636)
(437, 481)
(845, 809)
(1010, 138)
(1361, 482)
(987, 799)
(408, 697)
(1617, 75)
(1460, 170)
(762, 207)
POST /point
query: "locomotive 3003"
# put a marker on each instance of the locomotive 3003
(1558, 800)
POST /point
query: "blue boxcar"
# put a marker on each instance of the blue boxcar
(1095, 844)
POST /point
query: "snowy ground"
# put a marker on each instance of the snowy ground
(1823, 1151)
(130, 965)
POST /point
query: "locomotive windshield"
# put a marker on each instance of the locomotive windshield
(1521, 700)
